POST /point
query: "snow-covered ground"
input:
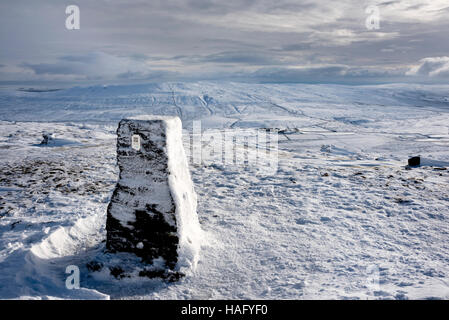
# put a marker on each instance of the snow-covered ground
(342, 217)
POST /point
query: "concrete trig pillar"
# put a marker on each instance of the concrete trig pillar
(152, 213)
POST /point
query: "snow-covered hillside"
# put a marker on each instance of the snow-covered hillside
(342, 217)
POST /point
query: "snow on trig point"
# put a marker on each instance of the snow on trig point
(152, 213)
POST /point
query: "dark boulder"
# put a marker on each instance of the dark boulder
(414, 161)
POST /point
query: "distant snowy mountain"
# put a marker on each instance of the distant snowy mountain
(221, 104)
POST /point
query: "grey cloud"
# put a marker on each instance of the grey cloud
(53, 68)
(289, 40)
(297, 47)
(94, 65)
(306, 74)
(387, 3)
(159, 75)
(431, 67)
(88, 58)
(248, 58)
(325, 74)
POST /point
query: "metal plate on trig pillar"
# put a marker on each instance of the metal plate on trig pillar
(135, 142)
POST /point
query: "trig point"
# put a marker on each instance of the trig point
(152, 213)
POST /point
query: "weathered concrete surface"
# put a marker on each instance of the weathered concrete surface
(152, 212)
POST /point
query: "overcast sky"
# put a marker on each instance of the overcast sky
(241, 40)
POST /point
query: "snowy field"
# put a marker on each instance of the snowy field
(341, 218)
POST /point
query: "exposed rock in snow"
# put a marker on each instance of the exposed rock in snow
(414, 161)
(152, 212)
(47, 137)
